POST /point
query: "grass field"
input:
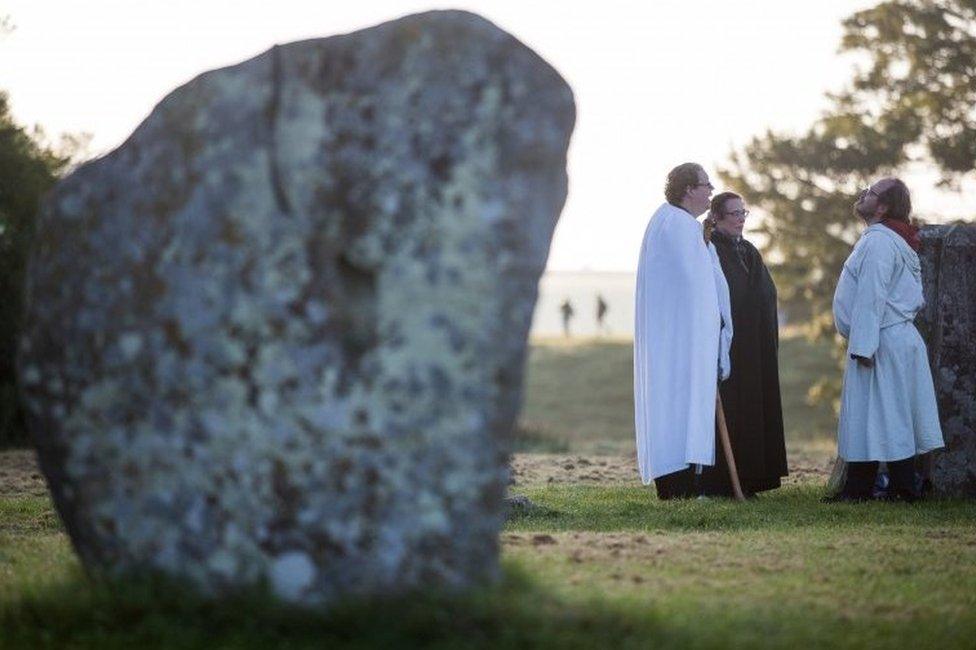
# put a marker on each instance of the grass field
(598, 563)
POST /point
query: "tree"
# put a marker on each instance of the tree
(922, 73)
(28, 168)
(912, 101)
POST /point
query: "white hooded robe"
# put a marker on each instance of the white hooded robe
(682, 336)
(887, 412)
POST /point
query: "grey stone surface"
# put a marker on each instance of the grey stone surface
(948, 324)
(279, 334)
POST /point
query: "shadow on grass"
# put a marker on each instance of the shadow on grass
(515, 613)
(627, 508)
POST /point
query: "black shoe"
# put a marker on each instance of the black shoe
(925, 489)
(840, 497)
(900, 496)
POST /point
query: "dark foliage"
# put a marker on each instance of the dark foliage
(28, 169)
(912, 100)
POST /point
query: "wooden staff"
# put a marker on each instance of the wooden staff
(723, 434)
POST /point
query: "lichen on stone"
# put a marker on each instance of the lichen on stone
(948, 324)
(278, 335)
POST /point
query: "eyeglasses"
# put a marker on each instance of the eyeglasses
(866, 191)
(737, 213)
(708, 185)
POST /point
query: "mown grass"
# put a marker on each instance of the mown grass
(67, 609)
(779, 570)
(592, 566)
(571, 507)
(579, 394)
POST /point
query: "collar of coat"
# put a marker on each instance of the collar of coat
(720, 236)
(907, 231)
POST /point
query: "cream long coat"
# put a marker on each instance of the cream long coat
(887, 412)
(682, 335)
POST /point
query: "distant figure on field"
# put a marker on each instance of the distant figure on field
(601, 314)
(887, 408)
(567, 311)
(750, 397)
(682, 334)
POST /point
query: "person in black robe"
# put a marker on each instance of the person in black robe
(750, 396)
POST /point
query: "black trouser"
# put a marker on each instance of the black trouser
(677, 485)
(713, 482)
(861, 477)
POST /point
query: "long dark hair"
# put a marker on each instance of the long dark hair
(898, 200)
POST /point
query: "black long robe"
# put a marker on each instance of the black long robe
(750, 396)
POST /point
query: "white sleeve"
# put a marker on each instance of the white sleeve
(725, 309)
(870, 297)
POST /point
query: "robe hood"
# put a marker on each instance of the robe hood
(909, 256)
(908, 232)
(671, 208)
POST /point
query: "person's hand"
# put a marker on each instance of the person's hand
(864, 362)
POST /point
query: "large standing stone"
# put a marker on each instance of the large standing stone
(279, 334)
(948, 323)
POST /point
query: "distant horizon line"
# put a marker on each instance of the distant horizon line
(589, 270)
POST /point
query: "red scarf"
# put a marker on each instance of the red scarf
(907, 231)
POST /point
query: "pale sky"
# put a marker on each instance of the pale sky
(656, 83)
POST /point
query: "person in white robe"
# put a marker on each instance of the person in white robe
(888, 408)
(682, 336)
